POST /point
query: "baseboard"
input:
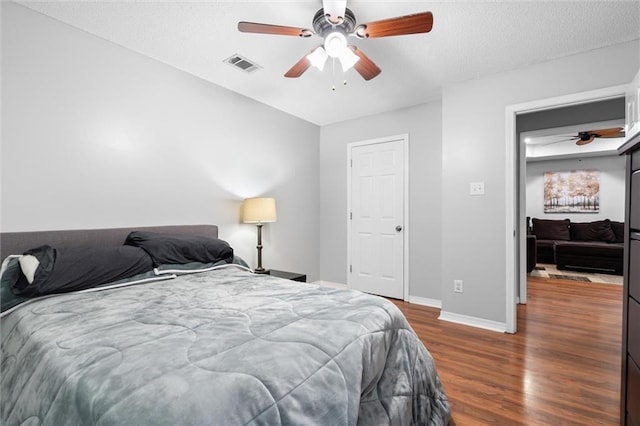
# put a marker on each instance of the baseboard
(330, 284)
(425, 301)
(473, 321)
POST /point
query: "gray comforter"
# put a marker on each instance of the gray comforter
(224, 347)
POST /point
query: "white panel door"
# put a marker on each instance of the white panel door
(377, 218)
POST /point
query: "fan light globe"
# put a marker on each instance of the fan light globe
(318, 58)
(348, 59)
(335, 46)
(335, 43)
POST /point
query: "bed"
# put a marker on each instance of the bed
(206, 343)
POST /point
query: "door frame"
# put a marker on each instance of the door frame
(516, 274)
(404, 138)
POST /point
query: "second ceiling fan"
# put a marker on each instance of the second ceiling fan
(334, 23)
(588, 136)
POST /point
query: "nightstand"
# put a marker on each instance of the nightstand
(294, 276)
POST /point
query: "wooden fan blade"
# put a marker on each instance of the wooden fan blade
(612, 135)
(365, 66)
(602, 132)
(299, 68)
(615, 132)
(581, 142)
(254, 27)
(409, 24)
(335, 10)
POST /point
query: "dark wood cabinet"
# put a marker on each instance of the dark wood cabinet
(630, 386)
(634, 200)
(633, 392)
(634, 267)
(633, 337)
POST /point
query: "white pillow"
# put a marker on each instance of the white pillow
(29, 264)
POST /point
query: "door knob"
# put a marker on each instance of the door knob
(398, 228)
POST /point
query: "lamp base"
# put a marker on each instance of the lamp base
(261, 271)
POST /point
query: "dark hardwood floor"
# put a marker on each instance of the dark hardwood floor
(562, 367)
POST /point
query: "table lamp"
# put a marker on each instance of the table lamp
(259, 211)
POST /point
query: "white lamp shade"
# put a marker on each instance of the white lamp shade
(259, 210)
(318, 58)
(348, 59)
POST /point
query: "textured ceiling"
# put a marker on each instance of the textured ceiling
(468, 40)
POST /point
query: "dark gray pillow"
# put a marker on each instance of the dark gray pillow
(179, 249)
(78, 268)
(8, 280)
(549, 229)
(618, 231)
(597, 231)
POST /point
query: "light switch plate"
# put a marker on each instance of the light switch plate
(476, 188)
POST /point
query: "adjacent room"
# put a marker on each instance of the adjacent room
(315, 212)
(575, 176)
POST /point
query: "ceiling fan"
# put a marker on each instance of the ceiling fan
(334, 23)
(584, 138)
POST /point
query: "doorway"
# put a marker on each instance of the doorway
(516, 274)
(549, 138)
(377, 218)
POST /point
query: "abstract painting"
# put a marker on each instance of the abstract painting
(577, 191)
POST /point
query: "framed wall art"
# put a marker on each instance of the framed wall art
(576, 191)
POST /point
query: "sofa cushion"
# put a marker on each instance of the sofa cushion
(549, 229)
(597, 231)
(545, 251)
(532, 257)
(603, 257)
(589, 251)
(618, 231)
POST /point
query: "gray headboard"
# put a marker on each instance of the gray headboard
(19, 242)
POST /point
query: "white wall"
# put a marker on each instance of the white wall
(612, 192)
(94, 135)
(423, 125)
(473, 127)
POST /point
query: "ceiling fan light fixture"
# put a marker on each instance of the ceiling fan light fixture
(318, 58)
(334, 22)
(335, 43)
(348, 59)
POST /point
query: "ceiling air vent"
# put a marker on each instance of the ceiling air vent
(242, 63)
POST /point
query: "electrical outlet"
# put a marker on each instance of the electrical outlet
(457, 286)
(476, 188)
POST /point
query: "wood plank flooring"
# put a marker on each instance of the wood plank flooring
(561, 368)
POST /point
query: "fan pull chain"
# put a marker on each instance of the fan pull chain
(333, 74)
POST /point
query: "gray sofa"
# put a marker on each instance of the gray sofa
(589, 246)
